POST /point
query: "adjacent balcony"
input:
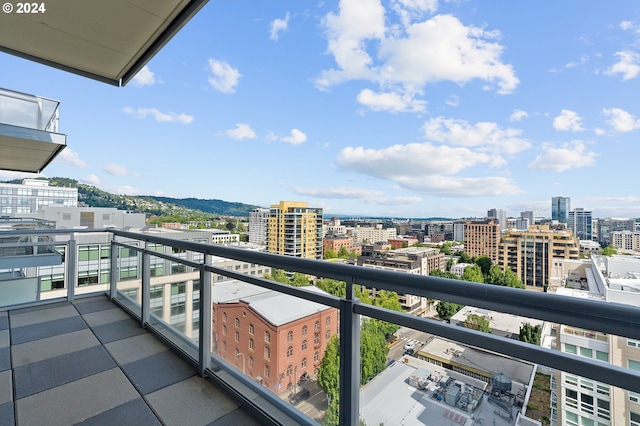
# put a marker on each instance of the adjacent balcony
(131, 344)
(29, 131)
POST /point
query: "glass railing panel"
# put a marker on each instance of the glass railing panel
(275, 339)
(129, 279)
(174, 292)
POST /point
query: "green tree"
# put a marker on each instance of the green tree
(373, 349)
(473, 273)
(330, 254)
(388, 300)
(449, 264)
(512, 280)
(530, 333)
(464, 257)
(299, 280)
(329, 379)
(477, 322)
(484, 263)
(332, 416)
(446, 248)
(278, 275)
(609, 251)
(442, 274)
(446, 310)
(334, 287)
(495, 276)
(343, 253)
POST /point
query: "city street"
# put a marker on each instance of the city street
(405, 335)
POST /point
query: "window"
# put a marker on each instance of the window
(250, 362)
(328, 321)
(237, 336)
(251, 329)
(237, 322)
(251, 344)
(267, 352)
(327, 335)
(289, 336)
(289, 351)
(602, 356)
(224, 317)
(634, 419)
(303, 364)
(316, 340)
(634, 397)
(634, 365)
(266, 371)
(572, 349)
(237, 353)
(304, 330)
(224, 330)
(304, 344)
(267, 336)
(633, 343)
(316, 356)
(586, 352)
(289, 370)
(316, 326)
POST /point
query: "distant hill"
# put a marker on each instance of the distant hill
(153, 206)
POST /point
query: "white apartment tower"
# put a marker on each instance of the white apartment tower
(258, 224)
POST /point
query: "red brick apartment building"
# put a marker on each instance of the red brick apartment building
(272, 337)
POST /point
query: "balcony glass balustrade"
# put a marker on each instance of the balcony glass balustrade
(178, 304)
(29, 131)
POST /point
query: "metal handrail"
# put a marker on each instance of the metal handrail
(605, 317)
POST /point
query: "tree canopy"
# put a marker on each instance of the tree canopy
(477, 322)
(530, 333)
(446, 310)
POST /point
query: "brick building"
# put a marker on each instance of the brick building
(272, 337)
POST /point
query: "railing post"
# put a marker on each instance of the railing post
(72, 267)
(146, 287)
(204, 331)
(349, 360)
(113, 269)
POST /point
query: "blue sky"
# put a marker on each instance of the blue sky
(406, 108)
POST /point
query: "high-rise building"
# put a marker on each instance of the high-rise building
(33, 194)
(581, 222)
(500, 215)
(560, 207)
(482, 238)
(625, 240)
(530, 254)
(608, 225)
(258, 224)
(295, 229)
(578, 400)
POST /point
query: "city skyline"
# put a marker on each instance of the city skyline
(352, 107)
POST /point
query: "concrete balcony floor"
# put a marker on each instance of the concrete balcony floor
(89, 362)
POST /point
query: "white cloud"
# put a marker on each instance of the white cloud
(296, 137)
(626, 25)
(91, 179)
(621, 120)
(568, 121)
(392, 102)
(339, 192)
(70, 157)
(224, 78)
(10, 175)
(452, 186)
(117, 170)
(628, 65)
(518, 115)
(570, 155)
(278, 26)
(485, 136)
(368, 196)
(161, 117)
(452, 101)
(241, 131)
(144, 77)
(402, 60)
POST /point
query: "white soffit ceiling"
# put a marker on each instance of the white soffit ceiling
(107, 40)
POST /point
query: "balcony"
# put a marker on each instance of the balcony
(29, 138)
(102, 350)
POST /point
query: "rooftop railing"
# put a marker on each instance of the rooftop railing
(33, 112)
(138, 300)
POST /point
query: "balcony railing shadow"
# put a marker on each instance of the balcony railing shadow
(134, 295)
